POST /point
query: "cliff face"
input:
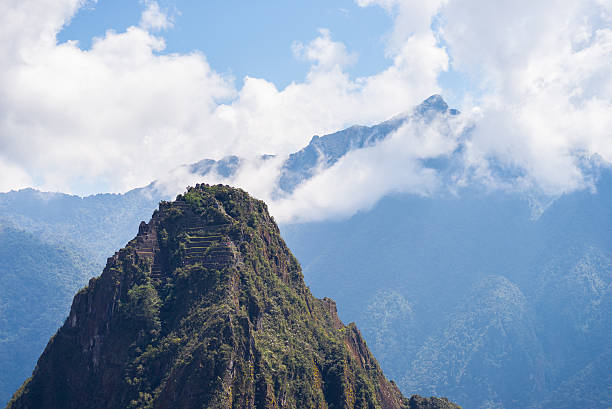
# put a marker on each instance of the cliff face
(207, 308)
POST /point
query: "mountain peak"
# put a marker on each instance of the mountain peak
(434, 103)
(206, 307)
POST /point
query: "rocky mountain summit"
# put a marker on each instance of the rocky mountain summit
(207, 308)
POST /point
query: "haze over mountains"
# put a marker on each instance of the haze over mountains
(496, 298)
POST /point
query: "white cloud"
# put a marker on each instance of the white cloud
(154, 19)
(111, 114)
(121, 114)
(547, 85)
(543, 78)
(362, 177)
(325, 53)
(13, 177)
(25, 22)
(412, 18)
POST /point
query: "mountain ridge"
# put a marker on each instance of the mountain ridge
(207, 307)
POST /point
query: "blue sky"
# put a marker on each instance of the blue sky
(248, 37)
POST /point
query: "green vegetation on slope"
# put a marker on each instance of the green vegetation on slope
(207, 308)
(37, 281)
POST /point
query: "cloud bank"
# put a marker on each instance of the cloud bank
(544, 72)
(123, 113)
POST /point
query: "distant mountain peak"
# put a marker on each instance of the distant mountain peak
(434, 104)
(328, 149)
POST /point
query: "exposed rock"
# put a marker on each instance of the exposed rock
(207, 307)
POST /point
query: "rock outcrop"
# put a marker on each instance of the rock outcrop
(207, 308)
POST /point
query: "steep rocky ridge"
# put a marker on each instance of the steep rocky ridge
(207, 308)
(51, 244)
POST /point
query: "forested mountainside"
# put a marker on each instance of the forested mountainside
(37, 282)
(51, 244)
(95, 225)
(207, 307)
